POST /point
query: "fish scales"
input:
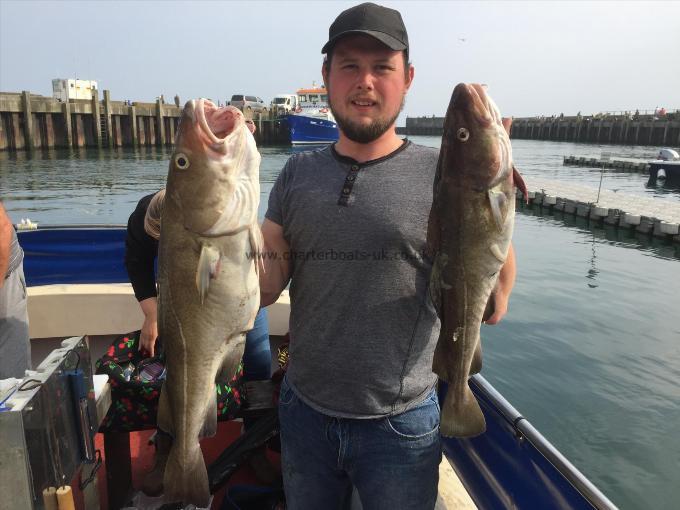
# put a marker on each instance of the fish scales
(208, 285)
(469, 233)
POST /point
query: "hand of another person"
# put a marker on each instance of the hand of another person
(149, 334)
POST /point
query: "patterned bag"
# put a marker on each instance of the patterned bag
(136, 384)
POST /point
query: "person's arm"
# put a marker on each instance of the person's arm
(276, 261)
(5, 243)
(501, 293)
(149, 333)
(140, 253)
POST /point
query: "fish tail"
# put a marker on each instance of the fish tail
(186, 477)
(461, 417)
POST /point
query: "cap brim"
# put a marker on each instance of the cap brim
(387, 40)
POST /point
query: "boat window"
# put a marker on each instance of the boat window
(313, 97)
(324, 98)
(302, 98)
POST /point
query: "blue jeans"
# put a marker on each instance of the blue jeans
(393, 462)
(257, 356)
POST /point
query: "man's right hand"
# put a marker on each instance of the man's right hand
(149, 334)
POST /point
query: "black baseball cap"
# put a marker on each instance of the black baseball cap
(379, 22)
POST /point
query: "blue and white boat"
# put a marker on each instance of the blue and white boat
(312, 122)
(75, 275)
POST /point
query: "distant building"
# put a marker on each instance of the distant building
(73, 88)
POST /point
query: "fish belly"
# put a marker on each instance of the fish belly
(201, 338)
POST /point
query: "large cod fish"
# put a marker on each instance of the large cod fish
(208, 286)
(469, 232)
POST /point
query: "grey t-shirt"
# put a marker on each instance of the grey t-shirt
(16, 254)
(362, 326)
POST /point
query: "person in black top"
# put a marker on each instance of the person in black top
(141, 250)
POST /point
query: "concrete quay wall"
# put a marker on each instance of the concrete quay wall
(29, 121)
(643, 130)
(621, 129)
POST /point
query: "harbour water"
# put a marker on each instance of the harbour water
(589, 351)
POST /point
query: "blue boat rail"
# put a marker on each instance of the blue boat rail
(513, 465)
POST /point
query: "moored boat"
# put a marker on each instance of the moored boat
(312, 121)
(77, 284)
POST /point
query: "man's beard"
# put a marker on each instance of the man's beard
(361, 133)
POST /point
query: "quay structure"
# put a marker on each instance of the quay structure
(637, 213)
(640, 129)
(30, 121)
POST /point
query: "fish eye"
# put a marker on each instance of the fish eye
(181, 161)
(463, 134)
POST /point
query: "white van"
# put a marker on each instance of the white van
(284, 103)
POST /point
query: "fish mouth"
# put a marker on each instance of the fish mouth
(215, 124)
(473, 99)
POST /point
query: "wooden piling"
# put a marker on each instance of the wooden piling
(107, 119)
(133, 126)
(68, 128)
(160, 133)
(28, 120)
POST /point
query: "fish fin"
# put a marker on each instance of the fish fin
(464, 418)
(439, 365)
(437, 283)
(186, 477)
(476, 364)
(519, 182)
(257, 246)
(497, 201)
(164, 415)
(209, 428)
(432, 240)
(490, 307)
(500, 256)
(208, 267)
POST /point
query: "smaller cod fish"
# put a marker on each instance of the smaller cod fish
(469, 232)
(208, 287)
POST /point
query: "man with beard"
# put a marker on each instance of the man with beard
(346, 226)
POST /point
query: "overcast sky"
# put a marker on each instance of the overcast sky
(537, 57)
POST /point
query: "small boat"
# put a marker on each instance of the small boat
(312, 122)
(665, 168)
(77, 284)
